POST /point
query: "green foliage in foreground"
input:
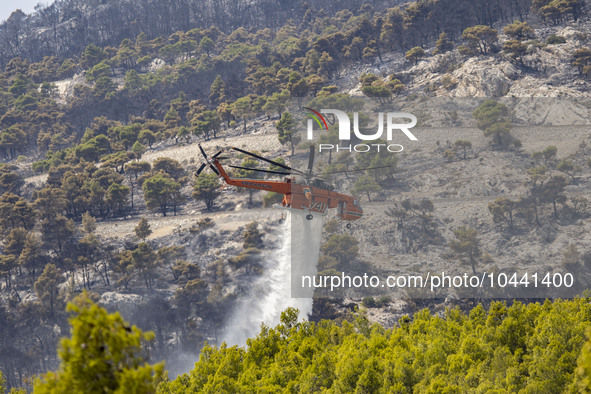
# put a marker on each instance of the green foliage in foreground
(533, 348)
(103, 355)
(528, 348)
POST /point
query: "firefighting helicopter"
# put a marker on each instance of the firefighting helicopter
(309, 195)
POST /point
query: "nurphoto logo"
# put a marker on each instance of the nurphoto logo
(392, 124)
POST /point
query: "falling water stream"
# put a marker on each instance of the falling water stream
(272, 292)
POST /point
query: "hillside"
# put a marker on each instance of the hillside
(100, 129)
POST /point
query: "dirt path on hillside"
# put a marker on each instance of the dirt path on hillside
(166, 225)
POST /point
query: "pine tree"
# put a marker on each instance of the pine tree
(88, 223)
(466, 246)
(143, 229)
(286, 128)
(415, 54)
(217, 91)
(481, 37)
(366, 184)
(47, 287)
(443, 44)
(160, 191)
(207, 189)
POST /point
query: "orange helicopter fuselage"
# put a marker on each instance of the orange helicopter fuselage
(311, 199)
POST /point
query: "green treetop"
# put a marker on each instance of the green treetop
(103, 355)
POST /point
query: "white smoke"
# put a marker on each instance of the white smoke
(272, 292)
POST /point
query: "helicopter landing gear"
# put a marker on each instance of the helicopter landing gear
(348, 226)
(309, 217)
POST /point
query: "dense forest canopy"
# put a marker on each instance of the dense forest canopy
(147, 80)
(66, 27)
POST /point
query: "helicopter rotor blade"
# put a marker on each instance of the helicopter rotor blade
(208, 161)
(267, 160)
(261, 170)
(203, 152)
(200, 169)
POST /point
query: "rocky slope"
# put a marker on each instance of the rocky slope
(556, 114)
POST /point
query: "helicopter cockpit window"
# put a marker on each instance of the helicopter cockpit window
(356, 203)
